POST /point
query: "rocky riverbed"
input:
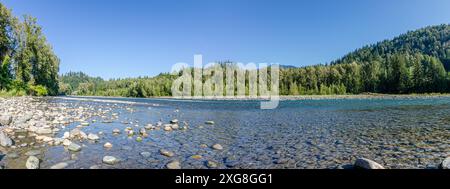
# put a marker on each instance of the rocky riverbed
(64, 133)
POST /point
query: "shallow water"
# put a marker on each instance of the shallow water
(397, 133)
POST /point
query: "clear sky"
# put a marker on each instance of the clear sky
(128, 38)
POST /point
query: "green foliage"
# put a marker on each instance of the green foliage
(26, 56)
(38, 90)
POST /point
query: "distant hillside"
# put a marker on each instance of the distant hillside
(432, 41)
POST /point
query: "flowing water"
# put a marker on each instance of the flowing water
(299, 134)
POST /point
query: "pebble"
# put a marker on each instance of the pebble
(149, 127)
(116, 131)
(364, 163)
(84, 124)
(217, 147)
(92, 136)
(173, 165)
(138, 139)
(74, 147)
(67, 142)
(211, 164)
(175, 121)
(166, 153)
(196, 157)
(108, 145)
(32, 163)
(145, 154)
(210, 122)
(110, 160)
(167, 128)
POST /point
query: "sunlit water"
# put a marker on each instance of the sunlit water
(400, 133)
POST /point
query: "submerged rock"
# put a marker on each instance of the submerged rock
(217, 147)
(145, 154)
(175, 127)
(209, 122)
(364, 163)
(116, 131)
(74, 147)
(211, 164)
(110, 160)
(173, 165)
(32, 162)
(61, 165)
(166, 153)
(108, 145)
(168, 128)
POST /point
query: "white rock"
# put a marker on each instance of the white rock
(110, 160)
(217, 147)
(66, 135)
(59, 165)
(67, 142)
(367, 164)
(32, 162)
(92, 136)
(173, 165)
(108, 145)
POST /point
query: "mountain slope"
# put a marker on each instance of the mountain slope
(432, 41)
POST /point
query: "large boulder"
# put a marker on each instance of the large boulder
(32, 162)
(5, 140)
(445, 164)
(364, 163)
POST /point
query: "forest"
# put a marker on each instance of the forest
(415, 62)
(28, 64)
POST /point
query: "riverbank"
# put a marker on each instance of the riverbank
(74, 133)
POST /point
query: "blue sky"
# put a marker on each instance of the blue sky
(128, 38)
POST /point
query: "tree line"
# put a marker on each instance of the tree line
(28, 63)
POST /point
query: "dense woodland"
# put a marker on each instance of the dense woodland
(28, 64)
(416, 62)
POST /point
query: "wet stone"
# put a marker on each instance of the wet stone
(173, 165)
(166, 153)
